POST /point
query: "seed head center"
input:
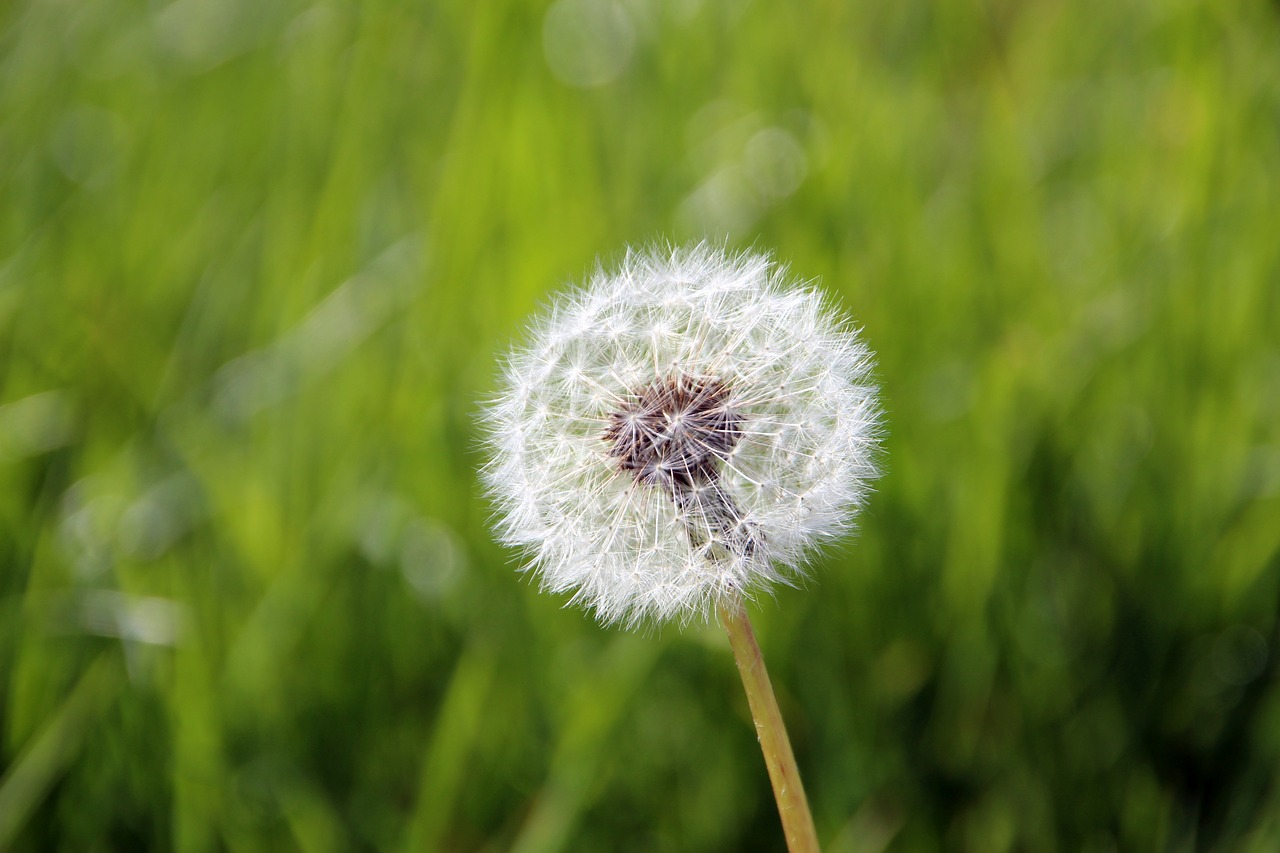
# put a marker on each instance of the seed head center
(672, 432)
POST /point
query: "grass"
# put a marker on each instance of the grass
(257, 261)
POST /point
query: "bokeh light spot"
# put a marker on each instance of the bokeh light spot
(588, 42)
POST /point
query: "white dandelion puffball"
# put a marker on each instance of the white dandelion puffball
(681, 433)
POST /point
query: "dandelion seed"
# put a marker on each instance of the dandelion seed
(681, 433)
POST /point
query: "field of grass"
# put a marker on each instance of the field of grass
(257, 263)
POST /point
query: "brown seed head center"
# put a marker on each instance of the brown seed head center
(673, 432)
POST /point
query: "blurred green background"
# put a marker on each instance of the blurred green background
(257, 262)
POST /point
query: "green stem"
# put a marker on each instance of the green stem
(788, 790)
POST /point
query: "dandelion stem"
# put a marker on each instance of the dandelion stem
(788, 790)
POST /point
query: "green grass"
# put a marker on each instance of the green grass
(256, 266)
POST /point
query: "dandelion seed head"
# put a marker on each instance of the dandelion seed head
(680, 432)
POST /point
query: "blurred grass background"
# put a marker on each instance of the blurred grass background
(256, 264)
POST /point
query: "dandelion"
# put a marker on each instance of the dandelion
(681, 433)
(677, 436)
